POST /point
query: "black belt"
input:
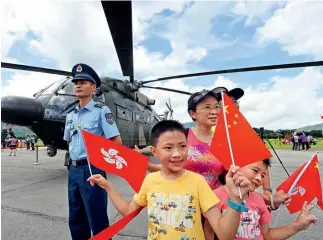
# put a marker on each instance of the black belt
(80, 162)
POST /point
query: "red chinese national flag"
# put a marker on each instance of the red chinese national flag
(247, 147)
(308, 186)
(116, 159)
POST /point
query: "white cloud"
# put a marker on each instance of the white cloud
(14, 29)
(26, 84)
(156, 63)
(194, 26)
(297, 28)
(290, 102)
(254, 11)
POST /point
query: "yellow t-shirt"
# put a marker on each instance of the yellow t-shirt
(175, 206)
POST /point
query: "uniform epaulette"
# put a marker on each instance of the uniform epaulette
(71, 110)
(99, 105)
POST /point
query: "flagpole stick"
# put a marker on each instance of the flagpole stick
(301, 173)
(88, 160)
(228, 138)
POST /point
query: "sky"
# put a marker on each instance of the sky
(178, 37)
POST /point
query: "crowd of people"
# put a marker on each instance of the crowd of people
(189, 195)
(10, 140)
(301, 141)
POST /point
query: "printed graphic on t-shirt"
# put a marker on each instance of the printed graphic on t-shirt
(249, 226)
(171, 211)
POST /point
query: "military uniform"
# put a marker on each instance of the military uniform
(87, 205)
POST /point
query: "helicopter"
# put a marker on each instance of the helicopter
(45, 114)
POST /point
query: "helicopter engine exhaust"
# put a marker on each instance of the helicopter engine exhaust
(21, 111)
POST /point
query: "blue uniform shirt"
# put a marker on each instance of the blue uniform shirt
(96, 120)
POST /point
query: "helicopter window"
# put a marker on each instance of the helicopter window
(137, 117)
(67, 88)
(52, 88)
(124, 113)
(140, 118)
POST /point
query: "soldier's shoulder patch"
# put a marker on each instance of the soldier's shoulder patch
(109, 118)
(99, 105)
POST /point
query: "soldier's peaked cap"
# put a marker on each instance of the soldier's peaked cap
(82, 71)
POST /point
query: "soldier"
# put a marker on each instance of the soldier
(87, 205)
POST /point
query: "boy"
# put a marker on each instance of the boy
(255, 223)
(176, 198)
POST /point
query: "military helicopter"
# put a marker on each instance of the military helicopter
(45, 113)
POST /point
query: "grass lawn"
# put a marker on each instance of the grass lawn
(276, 144)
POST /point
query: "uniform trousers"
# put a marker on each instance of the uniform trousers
(87, 204)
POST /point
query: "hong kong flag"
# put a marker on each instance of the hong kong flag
(234, 140)
(116, 159)
(304, 185)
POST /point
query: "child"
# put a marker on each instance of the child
(13, 143)
(255, 223)
(176, 198)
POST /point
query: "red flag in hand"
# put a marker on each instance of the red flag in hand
(116, 159)
(247, 147)
(116, 227)
(307, 187)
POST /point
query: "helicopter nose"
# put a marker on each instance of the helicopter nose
(21, 111)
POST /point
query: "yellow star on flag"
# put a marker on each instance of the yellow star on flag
(236, 115)
(317, 166)
(226, 108)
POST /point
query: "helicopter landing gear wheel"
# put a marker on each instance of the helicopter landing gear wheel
(67, 160)
(51, 151)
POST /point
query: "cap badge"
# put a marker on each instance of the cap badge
(79, 68)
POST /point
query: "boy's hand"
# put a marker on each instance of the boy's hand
(282, 198)
(136, 149)
(100, 181)
(235, 179)
(304, 219)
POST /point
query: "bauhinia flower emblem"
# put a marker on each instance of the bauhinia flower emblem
(111, 157)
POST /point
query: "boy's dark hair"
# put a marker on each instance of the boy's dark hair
(267, 162)
(165, 126)
(221, 177)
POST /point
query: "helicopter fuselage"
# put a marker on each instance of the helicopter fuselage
(131, 110)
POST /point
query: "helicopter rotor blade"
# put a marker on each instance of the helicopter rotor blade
(119, 17)
(168, 89)
(246, 69)
(34, 69)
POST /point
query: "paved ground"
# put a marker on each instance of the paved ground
(34, 198)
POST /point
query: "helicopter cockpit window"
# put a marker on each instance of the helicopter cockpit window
(67, 88)
(52, 88)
